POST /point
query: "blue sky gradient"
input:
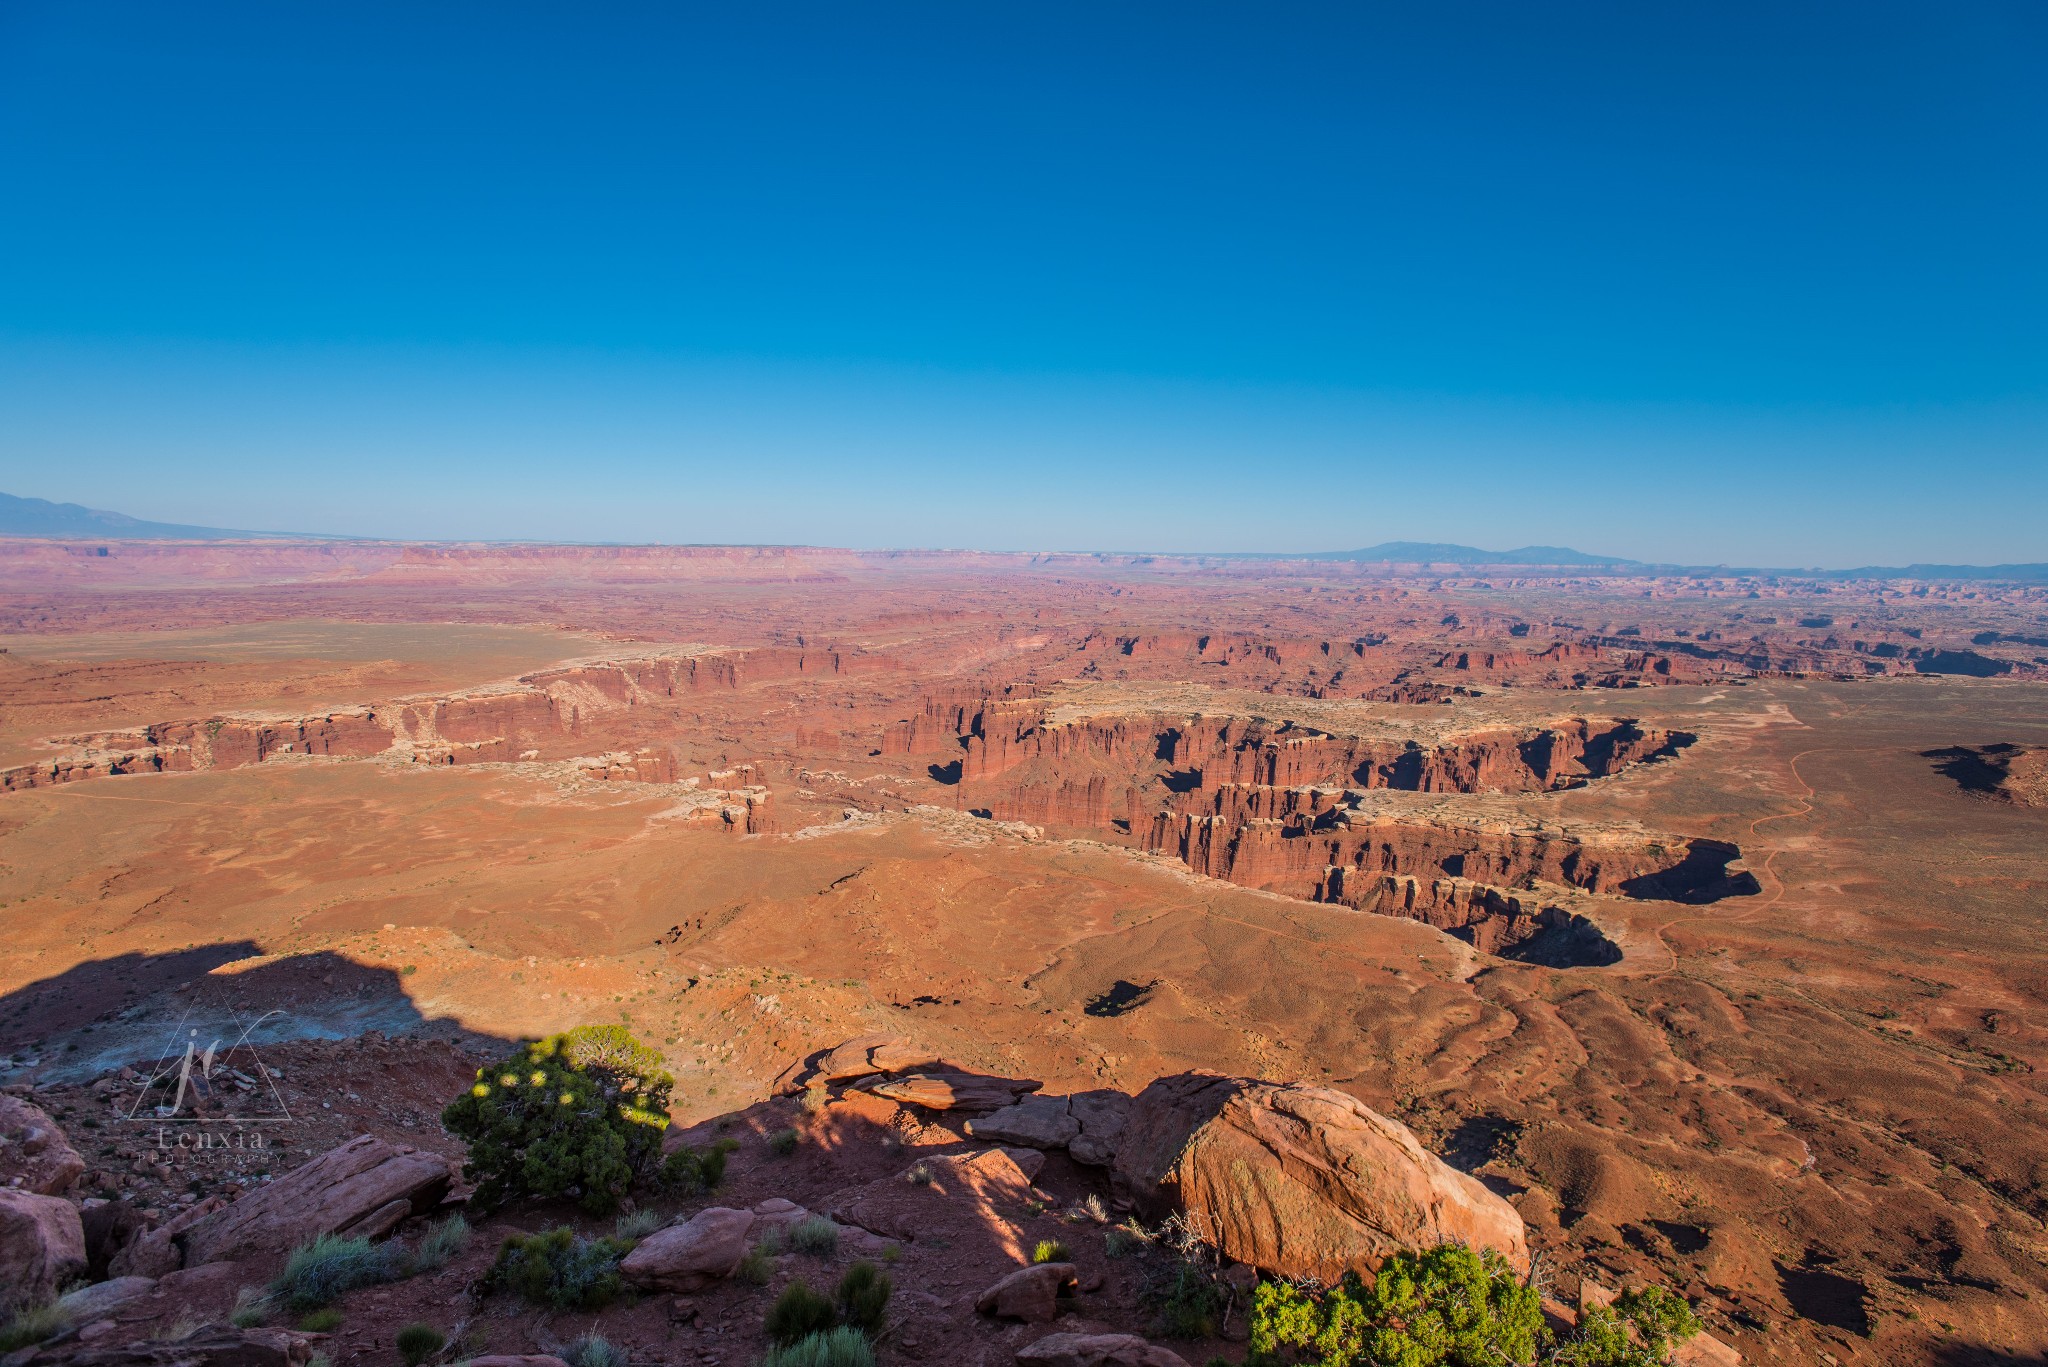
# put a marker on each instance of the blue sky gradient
(1741, 283)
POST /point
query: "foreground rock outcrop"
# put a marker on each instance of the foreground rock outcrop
(35, 1155)
(1299, 1181)
(42, 1245)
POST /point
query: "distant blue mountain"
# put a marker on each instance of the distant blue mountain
(40, 517)
(1448, 553)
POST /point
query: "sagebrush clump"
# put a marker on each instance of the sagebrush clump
(862, 1297)
(799, 1312)
(579, 1114)
(321, 1272)
(560, 1269)
(418, 1342)
(830, 1348)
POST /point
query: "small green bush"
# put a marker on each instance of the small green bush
(782, 1143)
(798, 1313)
(417, 1342)
(758, 1266)
(580, 1114)
(1190, 1305)
(322, 1321)
(330, 1267)
(595, 1350)
(31, 1324)
(1049, 1251)
(1638, 1330)
(692, 1172)
(440, 1244)
(252, 1307)
(560, 1269)
(1447, 1306)
(863, 1297)
(831, 1348)
(815, 1234)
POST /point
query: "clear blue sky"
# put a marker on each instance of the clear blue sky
(1747, 283)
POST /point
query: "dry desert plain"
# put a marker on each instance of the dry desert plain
(1702, 917)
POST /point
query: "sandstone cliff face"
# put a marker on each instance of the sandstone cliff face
(538, 711)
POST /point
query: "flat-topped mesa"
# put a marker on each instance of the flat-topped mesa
(600, 701)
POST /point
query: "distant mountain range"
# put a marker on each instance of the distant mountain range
(40, 517)
(1448, 553)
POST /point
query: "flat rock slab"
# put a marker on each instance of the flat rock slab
(353, 1189)
(955, 1091)
(977, 1190)
(1038, 1122)
(1097, 1350)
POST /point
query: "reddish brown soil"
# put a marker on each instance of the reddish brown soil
(730, 798)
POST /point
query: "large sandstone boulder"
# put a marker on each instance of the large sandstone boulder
(1030, 1293)
(42, 1245)
(1299, 1181)
(365, 1187)
(1096, 1350)
(34, 1154)
(686, 1257)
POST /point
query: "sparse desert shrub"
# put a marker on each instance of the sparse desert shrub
(798, 1313)
(31, 1324)
(814, 1234)
(816, 1098)
(920, 1175)
(322, 1321)
(833, 1348)
(595, 1350)
(440, 1243)
(1447, 1306)
(863, 1297)
(252, 1307)
(1638, 1330)
(579, 1114)
(641, 1223)
(690, 1172)
(330, 1267)
(417, 1342)
(782, 1143)
(757, 1266)
(1124, 1240)
(1093, 1208)
(560, 1269)
(1189, 1305)
(1049, 1251)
